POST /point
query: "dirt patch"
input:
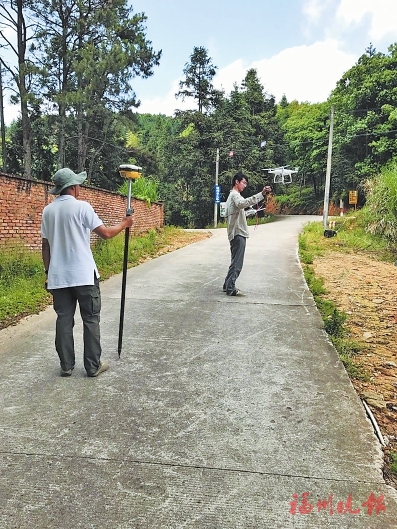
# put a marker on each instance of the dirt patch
(366, 290)
(183, 238)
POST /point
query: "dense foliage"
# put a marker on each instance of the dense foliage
(75, 77)
(74, 85)
(381, 206)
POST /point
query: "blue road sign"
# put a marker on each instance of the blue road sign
(217, 193)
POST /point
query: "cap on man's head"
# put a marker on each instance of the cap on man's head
(64, 178)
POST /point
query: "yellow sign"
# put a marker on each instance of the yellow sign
(130, 171)
(353, 196)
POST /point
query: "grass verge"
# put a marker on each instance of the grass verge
(312, 243)
(351, 237)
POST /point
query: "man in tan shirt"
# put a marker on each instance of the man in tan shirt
(237, 228)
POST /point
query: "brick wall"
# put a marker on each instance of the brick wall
(22, 201)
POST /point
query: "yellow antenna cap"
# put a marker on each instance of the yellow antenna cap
(130, 171)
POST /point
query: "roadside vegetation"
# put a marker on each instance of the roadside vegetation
(370, 231)
(312, 243)
(142, 188)
(21, 284)
(348, 339)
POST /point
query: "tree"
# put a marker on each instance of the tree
(13, 17)
(263, 120)
(187, 172)
(253, 92)
(365, 102)
(306, 133)
(199, 73)
(103, 47)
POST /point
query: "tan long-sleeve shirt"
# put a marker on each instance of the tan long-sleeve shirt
(236, 219)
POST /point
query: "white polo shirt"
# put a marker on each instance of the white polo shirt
(67, 224)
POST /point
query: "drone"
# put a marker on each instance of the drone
(282, 175)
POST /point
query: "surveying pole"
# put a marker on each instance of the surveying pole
(130, 172)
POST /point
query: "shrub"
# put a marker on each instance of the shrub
(381, 191)
(142, 188)
(18, 262)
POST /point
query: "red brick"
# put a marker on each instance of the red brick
(22, 202)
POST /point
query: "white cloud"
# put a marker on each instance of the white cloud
(11, 113)
(165, 104)
(304, 73)
(314, 9)
(382, 14)
(230, 74)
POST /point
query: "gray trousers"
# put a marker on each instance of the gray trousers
(65, 301)
(237, 249)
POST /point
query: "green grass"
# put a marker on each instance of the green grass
(24, 296)
(351, 236)
(109, 254)
(142, 188)
(21, 283)
(22, 275)
(393, 466)
(17, 262)
(334, 324)
(315, 284)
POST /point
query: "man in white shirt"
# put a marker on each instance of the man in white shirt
(72, 275)
(237, 228)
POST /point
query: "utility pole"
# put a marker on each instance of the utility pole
(216, 187)
(328, 173)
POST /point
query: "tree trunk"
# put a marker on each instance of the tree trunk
(26, 134)
(2, 125)
(82, 142)
(63, 90)
(314, 186)
(23, 94)
(61, 137)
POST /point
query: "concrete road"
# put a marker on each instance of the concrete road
(221, 413)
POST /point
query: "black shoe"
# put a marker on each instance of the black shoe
(224, 287)
(234, 292)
